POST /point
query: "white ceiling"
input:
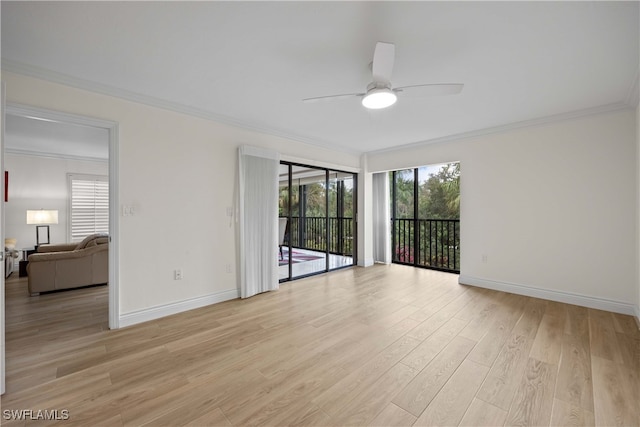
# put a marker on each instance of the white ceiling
(36, 136)
(251, 63)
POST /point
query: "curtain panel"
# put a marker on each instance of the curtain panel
(381, 218)
(258, 209)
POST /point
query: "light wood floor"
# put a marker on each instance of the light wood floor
(386, 345)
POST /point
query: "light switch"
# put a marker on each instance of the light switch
(127, 210)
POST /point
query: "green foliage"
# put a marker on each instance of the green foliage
(316, 200)
(433, 238)
(438, 193)
(404, 193)
(308, 229)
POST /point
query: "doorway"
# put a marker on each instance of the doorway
(27, 115)
(317, 211)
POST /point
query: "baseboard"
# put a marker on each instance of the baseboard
(637, 309)
(157, 312)
(566, 297)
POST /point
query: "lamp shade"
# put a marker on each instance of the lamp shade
(42, 217)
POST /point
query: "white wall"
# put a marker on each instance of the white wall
(41, 183)
(178, 172)
(552, 207)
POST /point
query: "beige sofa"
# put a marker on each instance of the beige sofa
(69, 265)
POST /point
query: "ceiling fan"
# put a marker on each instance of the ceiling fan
(380, 93)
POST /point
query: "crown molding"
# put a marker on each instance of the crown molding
(511, 126)
(91, 86)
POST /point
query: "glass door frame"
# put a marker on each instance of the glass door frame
(354, 250)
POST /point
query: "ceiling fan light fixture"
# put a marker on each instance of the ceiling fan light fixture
(376, 99)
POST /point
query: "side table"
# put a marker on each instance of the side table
(22, 270)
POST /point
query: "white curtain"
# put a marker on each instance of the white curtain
(381, 218)
(258, 200)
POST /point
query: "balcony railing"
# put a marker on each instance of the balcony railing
(311, 233)
(436, 245)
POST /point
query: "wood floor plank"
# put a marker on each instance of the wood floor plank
(625, 324)
(533, 401)
(286, 399)
(364, 407)
(614, 393)
(425, 351)
(109, 401)
(435, 303)
(417, 395)
(138, 409)
(429, 326)
(199, 414)
(478, 325)
(566, 414)
(372, 344)
(481, 413)
(393, 416)
(307, 414)
(505, 375)
(334, 399)
(212, 418)
(547, 344)
(602, 336)
(574, 385)
(452, 401)
(577, 321)
(499, 330)
(556, 309)
(481, 299)
(629, 349)
(112, 421)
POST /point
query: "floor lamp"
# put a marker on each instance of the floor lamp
(42, 219)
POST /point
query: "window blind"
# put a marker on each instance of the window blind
(89, 205)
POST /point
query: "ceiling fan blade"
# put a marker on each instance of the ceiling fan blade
(331, 97)
(431, 89)
(382, 66)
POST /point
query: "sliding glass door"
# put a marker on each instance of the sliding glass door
(317, 211)
(425, 216)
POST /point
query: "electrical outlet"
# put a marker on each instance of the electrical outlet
(177, 274)
(484, 258)
(228, 268)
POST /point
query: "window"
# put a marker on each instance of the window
(88, 205)
(425, 216)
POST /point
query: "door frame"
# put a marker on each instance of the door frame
(114, 219)
(327, 170)
(3, 311)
